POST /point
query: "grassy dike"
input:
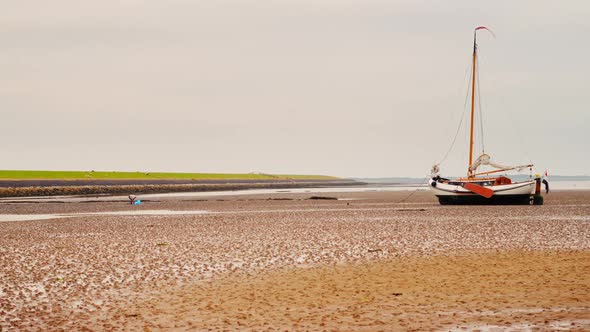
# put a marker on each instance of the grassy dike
(92, 175)
(53, 183)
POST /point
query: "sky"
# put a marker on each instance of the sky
(347, 88)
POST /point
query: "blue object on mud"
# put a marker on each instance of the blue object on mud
(137, 202)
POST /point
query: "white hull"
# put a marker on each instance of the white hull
(519, 188)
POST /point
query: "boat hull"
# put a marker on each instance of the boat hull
(520, 193)
(480, 200)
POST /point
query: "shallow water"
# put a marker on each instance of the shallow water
(29, 217)
(206, 194)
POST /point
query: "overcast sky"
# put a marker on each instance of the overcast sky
(347, 88)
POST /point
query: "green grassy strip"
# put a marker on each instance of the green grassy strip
(92, 175)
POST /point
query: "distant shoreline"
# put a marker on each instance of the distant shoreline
(27, 188)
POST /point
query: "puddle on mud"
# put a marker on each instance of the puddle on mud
(180, 195)
(30, 217)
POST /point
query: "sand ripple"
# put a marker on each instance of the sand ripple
(87, 265)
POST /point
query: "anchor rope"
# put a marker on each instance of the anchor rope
(424, 181)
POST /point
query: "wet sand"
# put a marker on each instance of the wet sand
(474, 292)
(30, 188)
(285, 262)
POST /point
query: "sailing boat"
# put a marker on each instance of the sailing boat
(483, 187)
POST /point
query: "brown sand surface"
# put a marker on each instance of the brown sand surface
(300, 264)
(522, 290)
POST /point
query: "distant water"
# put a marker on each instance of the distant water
(569, 185)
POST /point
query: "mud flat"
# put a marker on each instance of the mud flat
(27, 188)
(365, 262)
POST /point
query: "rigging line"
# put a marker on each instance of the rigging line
(424, 181)
(483, 148)
(462, 114)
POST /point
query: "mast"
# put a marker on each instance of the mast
(469, 170)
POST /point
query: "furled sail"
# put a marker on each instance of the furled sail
(485, 159)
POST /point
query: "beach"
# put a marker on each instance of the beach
(364, 261)
(57, 187)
